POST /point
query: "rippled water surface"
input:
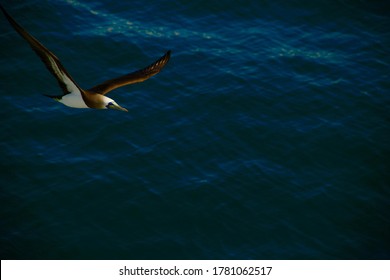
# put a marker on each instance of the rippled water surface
(264, 137)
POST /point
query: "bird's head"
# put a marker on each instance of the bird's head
(111, 104)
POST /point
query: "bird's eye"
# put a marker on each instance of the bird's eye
(109, 104)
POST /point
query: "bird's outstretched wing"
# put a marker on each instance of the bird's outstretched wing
(134, 77)
(52, 63)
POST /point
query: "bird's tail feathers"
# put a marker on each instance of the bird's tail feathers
(55, 97)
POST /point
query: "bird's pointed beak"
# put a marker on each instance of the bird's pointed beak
(117, 107)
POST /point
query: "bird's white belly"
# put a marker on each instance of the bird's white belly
(73, 100)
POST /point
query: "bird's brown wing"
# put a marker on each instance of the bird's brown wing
(134, 77)
(52, 63)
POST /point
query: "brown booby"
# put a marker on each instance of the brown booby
(73, 95)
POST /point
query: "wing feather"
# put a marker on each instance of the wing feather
(52, 63)
(134, 77)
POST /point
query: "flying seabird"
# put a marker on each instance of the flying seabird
(73, 95)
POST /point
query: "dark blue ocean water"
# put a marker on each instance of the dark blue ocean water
(265, 137)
